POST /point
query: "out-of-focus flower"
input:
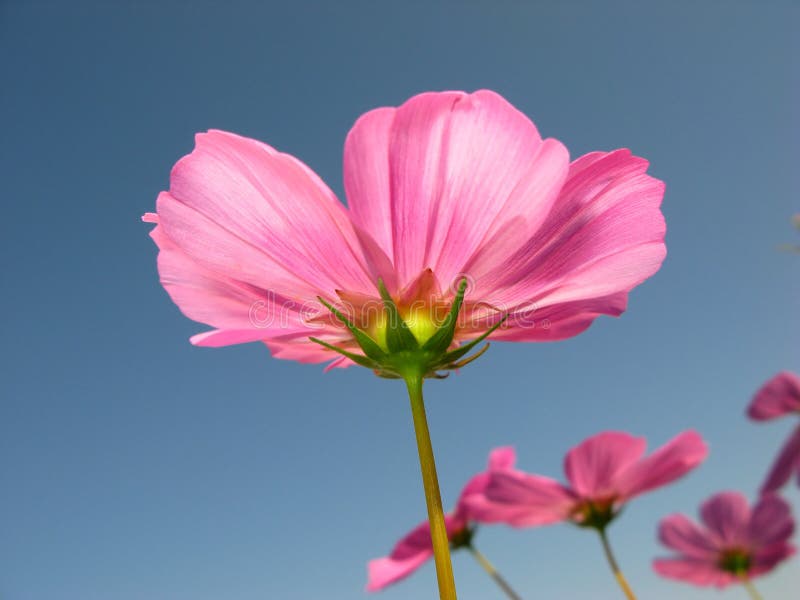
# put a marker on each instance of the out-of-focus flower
(449, 186)
(779, 397)
(793, 247)
(734, 543)
(604, 472)
(415, 548)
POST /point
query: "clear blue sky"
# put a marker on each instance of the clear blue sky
(134, 466)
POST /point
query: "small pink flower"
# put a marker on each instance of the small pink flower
(734, 543)
(416, 547)
(778, 397)
(446, 186)
(604, 472)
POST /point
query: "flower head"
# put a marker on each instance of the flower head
(779, 397)
(604, 472)
(447, 188)
(733, 543)
(415, 548)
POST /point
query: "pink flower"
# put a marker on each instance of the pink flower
(604, 472)
(448, 185)
(778, 397)
(733, 543)
(413, 550)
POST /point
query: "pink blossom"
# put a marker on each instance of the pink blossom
(734, 541)
(604, 472)
(778, 397)
(415, 548)
(448, 185)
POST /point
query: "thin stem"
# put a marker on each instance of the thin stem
(489, 568)
(441, 544)
(612, 562)
(751, 589)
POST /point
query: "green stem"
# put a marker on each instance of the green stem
(489, 568)
(612, 562)
(751, 589)
(441, 544)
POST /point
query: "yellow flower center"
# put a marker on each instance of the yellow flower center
(423, 320)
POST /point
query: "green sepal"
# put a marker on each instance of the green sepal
(399, 337)
(387, 375)
(454, 355)
(367, 344)
(356, 358)
(440, 341)
(464, 362)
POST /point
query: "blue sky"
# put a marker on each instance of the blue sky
(135, 466)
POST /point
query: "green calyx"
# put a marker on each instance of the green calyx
(462, 538)
(402, 355)
(735, 561)
(595, 515)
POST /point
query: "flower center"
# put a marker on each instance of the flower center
(421, 306)
(461, 538)
(422, 318)
(594, 513)
(735, 560)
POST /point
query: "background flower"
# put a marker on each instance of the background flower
(604, 472)
(779, 397)
(733, 541)
(415, 548)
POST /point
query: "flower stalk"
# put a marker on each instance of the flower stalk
(612, 562)
(751, 589)
(433, 499)
(493, 573)
(404, 355)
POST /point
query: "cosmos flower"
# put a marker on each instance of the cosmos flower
(604, 472)
(415, 548)
(733, 544)
(448, 187)
(779, 397)
(460, 219)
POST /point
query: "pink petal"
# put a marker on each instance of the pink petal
(673, 460)
(559, 321)
(366, 176)
(243, 312)
(694, 571)
(408, 555)
(459, 166)
(305, 351)
(472, 502)
(239, 207)
(779, 396)
(524, 500)
(771, 522)
(727, 516)
(603, 236)
(785, 464)
(219, 338)
(769, 557)
(593, 466)
(382, 572)
(683, 535)
(502, 458)
(499, 459)
(215, 249)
